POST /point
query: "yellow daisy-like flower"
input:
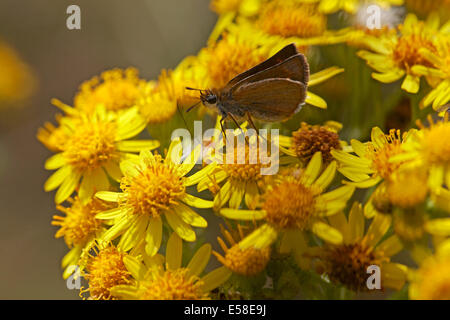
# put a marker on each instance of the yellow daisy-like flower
(297, 203)
(309, 139)
(154, 187)
(429, 147)
(246, 262)
(432, 280)
(104, 270)
(397, 56)
(78, 227)
(116, 89)
(156, 279)
(239, 178)
(94, 147)
(347, 263)
(16, 79)
(372, 162)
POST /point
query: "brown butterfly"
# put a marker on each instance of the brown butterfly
(273, 90)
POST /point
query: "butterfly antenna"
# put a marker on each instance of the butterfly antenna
(193, 106)
(189, 88)
(184, 120)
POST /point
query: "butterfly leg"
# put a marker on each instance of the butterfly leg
(253, 125)
(237, 124)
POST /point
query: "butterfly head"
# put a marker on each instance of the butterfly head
(208, 98)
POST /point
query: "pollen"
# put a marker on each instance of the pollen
(406, 52)
(290, 205)
(230, 59)
(154, 189)
(380, 156)
(292, 20)
(104, 271)
(79, 224)
(310, 139)
(347, 264)
(173, 285)
(92, 145)
(116, 89)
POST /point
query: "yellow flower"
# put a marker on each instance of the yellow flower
(78, 227)
(347, 263)
(105, 270)
(241, 178)
(395, 56)
(432, 280)
(16, 80)
(156, 280)
(429, 148)
(115, 89)
(309, 139)
(94, 147)
(372, 162)
(152, 188)
(246, 262)
(297, 203)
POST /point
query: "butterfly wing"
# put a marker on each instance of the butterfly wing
(295, 68)
(270, 99)
(280, 56)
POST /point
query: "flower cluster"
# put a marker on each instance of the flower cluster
(139, 207)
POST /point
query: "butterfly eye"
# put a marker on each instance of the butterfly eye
(211, 99)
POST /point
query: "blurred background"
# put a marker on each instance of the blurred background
(149, 35)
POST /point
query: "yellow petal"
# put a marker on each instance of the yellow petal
(378, 228)
(189, 216)
(261, 238)
(180, 227)
(199, 260)
(66, 189)
(196, 202)
(174, 252)
(137, 145)
(153, 237)
(315, 100)
(58, 177)
(356, 223)
(133, 234)
(438, 227)
(215, 278)
(411, 84)
(109, 196)
(327, 233)
(248, 215)
(55, 162)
